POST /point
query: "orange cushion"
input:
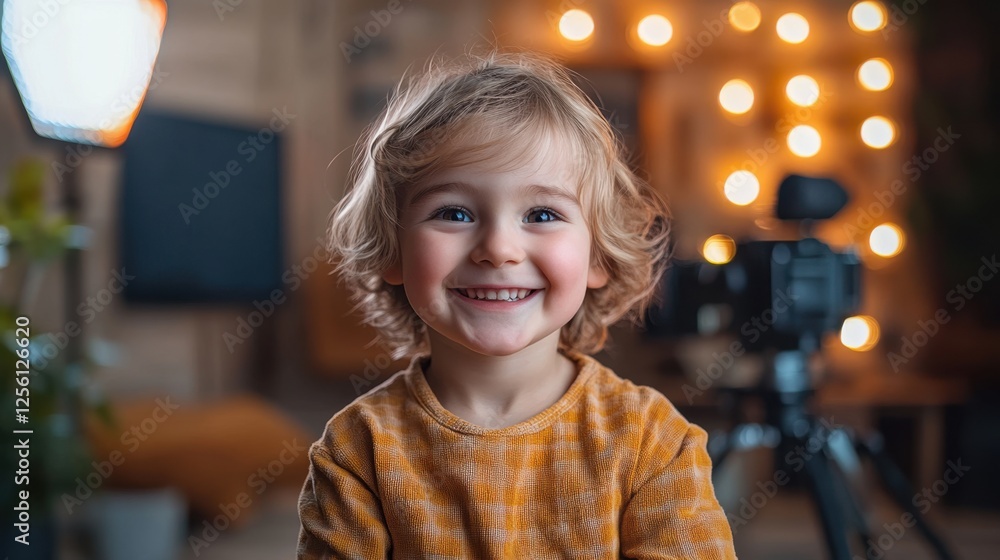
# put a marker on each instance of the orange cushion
(223, 456)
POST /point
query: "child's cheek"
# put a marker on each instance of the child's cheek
(567, 261)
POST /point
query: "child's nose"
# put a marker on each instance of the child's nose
(498, 245)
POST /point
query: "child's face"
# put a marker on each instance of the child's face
(496, 231)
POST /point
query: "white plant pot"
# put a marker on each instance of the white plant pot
(131, 524)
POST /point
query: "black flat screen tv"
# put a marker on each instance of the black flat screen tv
(200, 211)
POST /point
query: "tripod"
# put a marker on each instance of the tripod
(828, 455)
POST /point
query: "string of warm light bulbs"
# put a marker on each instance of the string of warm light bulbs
(736, 97)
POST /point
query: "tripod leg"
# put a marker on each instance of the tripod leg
(859, 520)
(901, 491)
(849, 474)
(827, 506)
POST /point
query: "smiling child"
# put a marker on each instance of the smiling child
(492, 233)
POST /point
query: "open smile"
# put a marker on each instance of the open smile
(491, 294)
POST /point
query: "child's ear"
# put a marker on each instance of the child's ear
(596, 277)
(394, 274)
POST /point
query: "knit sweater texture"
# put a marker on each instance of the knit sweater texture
(611, 470)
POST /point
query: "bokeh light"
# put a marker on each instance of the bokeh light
(886, 240)
(742, 187)
(802, 90)
(804, 141)
(875, 74)
(655, 30)
(867, 16)
(878, 132)
(793, 28)
(719, 249)
(860, 333)
(744, 16)
(576, 25)
(736, 96)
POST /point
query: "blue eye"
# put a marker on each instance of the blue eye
(454, 214)
(544, 215)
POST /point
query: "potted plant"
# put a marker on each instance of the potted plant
(49, 453)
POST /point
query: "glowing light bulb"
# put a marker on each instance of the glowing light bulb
(576, 25)
(859, 333)
(742, 187)
(655, 30)
(886, 240)
(878, 132)
(719, 249)
(802, 90)
(804, 141)
(875, 74)
(82, 68)
(744, 16)
(867, 16)
(792, 28)
(736, 96)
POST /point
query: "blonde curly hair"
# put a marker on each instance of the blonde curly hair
(458, 112)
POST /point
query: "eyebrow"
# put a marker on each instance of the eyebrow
(544, 190)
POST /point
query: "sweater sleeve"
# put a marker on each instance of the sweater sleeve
(673, 514)
(340, 515)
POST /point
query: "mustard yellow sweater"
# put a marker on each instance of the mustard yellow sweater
(610, 470)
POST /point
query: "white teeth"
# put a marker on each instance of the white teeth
(503, 295)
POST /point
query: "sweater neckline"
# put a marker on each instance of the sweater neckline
(417, 382)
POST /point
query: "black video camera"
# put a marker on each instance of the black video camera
(780, 295)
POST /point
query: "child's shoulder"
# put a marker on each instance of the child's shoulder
(619, 390)
(619, 398)
(640, 417)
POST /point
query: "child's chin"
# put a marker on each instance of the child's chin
(495, 348)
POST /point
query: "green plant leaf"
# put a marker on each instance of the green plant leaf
(25, 199)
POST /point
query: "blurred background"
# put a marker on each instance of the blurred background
(166, 174)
